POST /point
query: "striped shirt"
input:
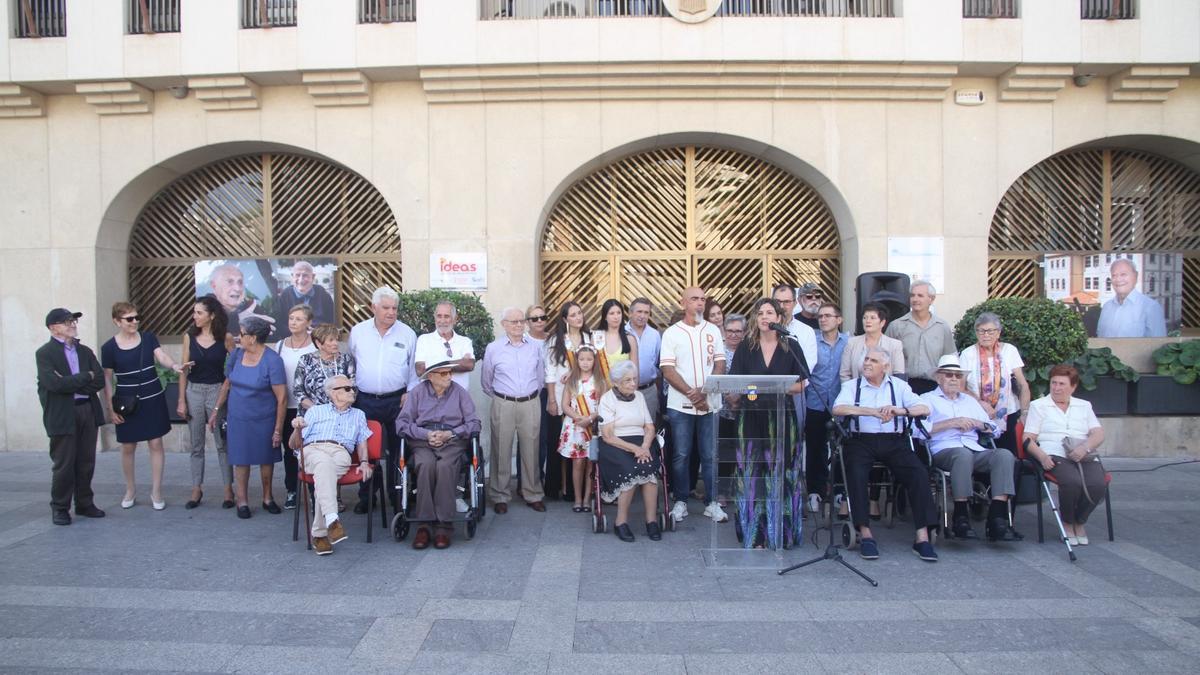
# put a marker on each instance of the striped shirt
(324, 422)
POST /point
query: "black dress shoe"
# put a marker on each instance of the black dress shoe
(624, 532)
(361, 507)
(243, 512)
(962, 528)
(61, 517)
(653, 531)
(92, 511)
(228, 504)
(998, 529)
(193, 503)
(272, 507)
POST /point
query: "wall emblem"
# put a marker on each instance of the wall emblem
(692, 11)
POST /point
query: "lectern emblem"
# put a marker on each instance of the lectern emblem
(692, 11)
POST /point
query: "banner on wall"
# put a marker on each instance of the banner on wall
(458, 271)
(269, 288)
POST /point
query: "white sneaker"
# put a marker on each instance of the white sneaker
(814, 502)
(715, 512)
(460, 505)
(679, 511)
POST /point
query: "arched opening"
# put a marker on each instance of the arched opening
(651, 223)
(262, 205)
(1094, 200)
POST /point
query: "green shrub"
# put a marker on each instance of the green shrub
(416, 310)
(1180, 360)
(1046, 333)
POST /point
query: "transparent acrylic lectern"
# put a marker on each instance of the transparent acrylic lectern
(755, 469)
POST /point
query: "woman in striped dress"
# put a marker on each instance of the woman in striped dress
(128, 359)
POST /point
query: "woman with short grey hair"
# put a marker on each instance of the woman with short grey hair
(996, 377)
(256, 389)
(629, 456)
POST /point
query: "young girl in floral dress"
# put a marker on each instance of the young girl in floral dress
(580, 405)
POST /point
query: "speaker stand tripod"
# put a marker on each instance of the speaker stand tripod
(832, 552)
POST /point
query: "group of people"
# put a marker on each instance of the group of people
(573, 400)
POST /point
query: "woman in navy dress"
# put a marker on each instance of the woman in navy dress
(256, 390)
(128, 359)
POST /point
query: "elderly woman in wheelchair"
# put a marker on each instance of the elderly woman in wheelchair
(958, 422)
(437, 422)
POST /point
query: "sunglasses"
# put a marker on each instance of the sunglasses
(346, 388)
(131, 319)
(810, 296)
(537, 318)
(952, 376)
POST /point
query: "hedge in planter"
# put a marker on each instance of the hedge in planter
(416, 309)
(1046, 333)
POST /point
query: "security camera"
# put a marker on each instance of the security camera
(179, 91)
(1083, 80)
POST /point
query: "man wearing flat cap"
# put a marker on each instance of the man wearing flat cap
(68, 379)
(810, 298)
(957, 421)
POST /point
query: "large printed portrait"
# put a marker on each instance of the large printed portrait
(269, 288)
(1119, 294)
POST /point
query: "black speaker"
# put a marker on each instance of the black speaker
(887, 288)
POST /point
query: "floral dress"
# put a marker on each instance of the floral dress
(574, 440)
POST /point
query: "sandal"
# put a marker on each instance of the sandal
(578, 508)
(585, 509)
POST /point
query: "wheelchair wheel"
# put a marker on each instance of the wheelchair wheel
(671, 524)
(662, 521)
(471, 525)
(887, 503)
(849, 537)
(599, 523)
(399, 527)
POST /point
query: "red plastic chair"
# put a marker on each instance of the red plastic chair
(351, 477)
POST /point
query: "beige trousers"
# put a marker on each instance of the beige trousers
(523, 420)
(326, 463)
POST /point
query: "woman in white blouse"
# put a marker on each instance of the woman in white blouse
(991, 367)
(1063, 432)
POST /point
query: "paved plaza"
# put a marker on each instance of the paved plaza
(539, 593)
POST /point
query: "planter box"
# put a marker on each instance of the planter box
(171, 394)
(1110, 397)
(1162, 395)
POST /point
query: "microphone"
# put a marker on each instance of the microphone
(779, 328)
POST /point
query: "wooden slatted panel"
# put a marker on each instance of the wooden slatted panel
(827, 272)
(1055, 206)
(740, 210)
(1013, 278)
(1155, 203)
(587, 282)
(164, 296)
(735, 283)
(1191, 292)
(659, 279)
(263, 205)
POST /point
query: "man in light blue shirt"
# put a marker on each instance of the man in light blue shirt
(1130, 313)
(649, 344)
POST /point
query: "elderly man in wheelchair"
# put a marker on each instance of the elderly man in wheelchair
(874, 404)
(437, 422)
(958, 425)
(329, 433)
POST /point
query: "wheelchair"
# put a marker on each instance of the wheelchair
(600, 519)
(470, 488)
(939, 481)
(880, 481)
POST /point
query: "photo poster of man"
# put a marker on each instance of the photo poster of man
(1119, 294)
(268, 288)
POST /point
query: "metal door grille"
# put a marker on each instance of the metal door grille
(652, 223)
(1092, 201)
(255, 206)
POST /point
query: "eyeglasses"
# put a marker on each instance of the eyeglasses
(131, 319)
(735, 330)
(987, 331)
(828, 316)
(952, 376)
(68, 322)
(346, 388)
(537, 319)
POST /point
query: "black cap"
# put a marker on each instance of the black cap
(60, 315)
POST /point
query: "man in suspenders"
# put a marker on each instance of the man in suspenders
(874, 401)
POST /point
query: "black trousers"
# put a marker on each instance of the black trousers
(291, 465)
(816, 455)
(860, 451)
(73, 461)
(384, 411)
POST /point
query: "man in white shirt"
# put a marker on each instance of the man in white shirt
(875, 401)
(649, 348)
(1130, 313)
(383, 357)
(957, 421)
(692, 350)
(446, 345)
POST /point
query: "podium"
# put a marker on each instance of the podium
(759, 470)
